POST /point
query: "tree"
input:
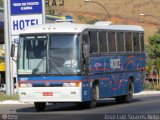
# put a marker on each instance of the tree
(154, 52)
(154, 45)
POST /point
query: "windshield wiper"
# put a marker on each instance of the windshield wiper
(35, 70)
(54, 64)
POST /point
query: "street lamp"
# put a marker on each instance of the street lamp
(151, 16)
(108, 15)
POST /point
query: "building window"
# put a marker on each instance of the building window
(1, 36)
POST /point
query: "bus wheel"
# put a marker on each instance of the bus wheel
(129, 96)
(40, 106)
(92, 103)
(126, 98)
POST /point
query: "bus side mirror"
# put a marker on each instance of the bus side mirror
(86, 50)
(12, 50)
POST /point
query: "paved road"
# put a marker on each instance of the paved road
(140, 108)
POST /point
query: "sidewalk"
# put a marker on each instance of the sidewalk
(148, 93)
(137, 94)
(11, 102)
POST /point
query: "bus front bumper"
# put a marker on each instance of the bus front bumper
(50, 94)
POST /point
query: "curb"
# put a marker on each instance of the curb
(14, 102)
(147, 93)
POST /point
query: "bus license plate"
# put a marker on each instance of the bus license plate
(47, 94)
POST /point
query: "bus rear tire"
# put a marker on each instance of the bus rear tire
(40, 106)
(126, 98)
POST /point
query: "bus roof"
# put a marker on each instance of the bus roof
(76, 28)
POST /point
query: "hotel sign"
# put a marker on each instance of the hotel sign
(26, 7)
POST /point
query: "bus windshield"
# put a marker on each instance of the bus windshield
(56, 54)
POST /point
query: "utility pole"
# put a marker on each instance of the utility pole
(15, 13)
(9, 79)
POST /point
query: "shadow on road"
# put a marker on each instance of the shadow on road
(70, 107)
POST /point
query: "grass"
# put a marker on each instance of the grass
(3, 97)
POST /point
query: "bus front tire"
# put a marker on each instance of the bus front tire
(40, 106)
(93, 102)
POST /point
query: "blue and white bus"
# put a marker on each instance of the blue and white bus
(80, 63)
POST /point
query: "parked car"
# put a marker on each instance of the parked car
(2, 87)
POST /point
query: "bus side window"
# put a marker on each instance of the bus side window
(136, 43)
(142, 41)
(128, 41)
(120, 41)
(111, 42)
(102, 41)
(94, 42)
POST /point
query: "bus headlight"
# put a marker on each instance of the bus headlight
(25, 85)
(75, 84)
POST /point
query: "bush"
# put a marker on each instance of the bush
(157, 87)
(148, 86)
(152, 86)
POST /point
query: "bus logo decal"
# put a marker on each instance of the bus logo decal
(97, 65)
(115, 63)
